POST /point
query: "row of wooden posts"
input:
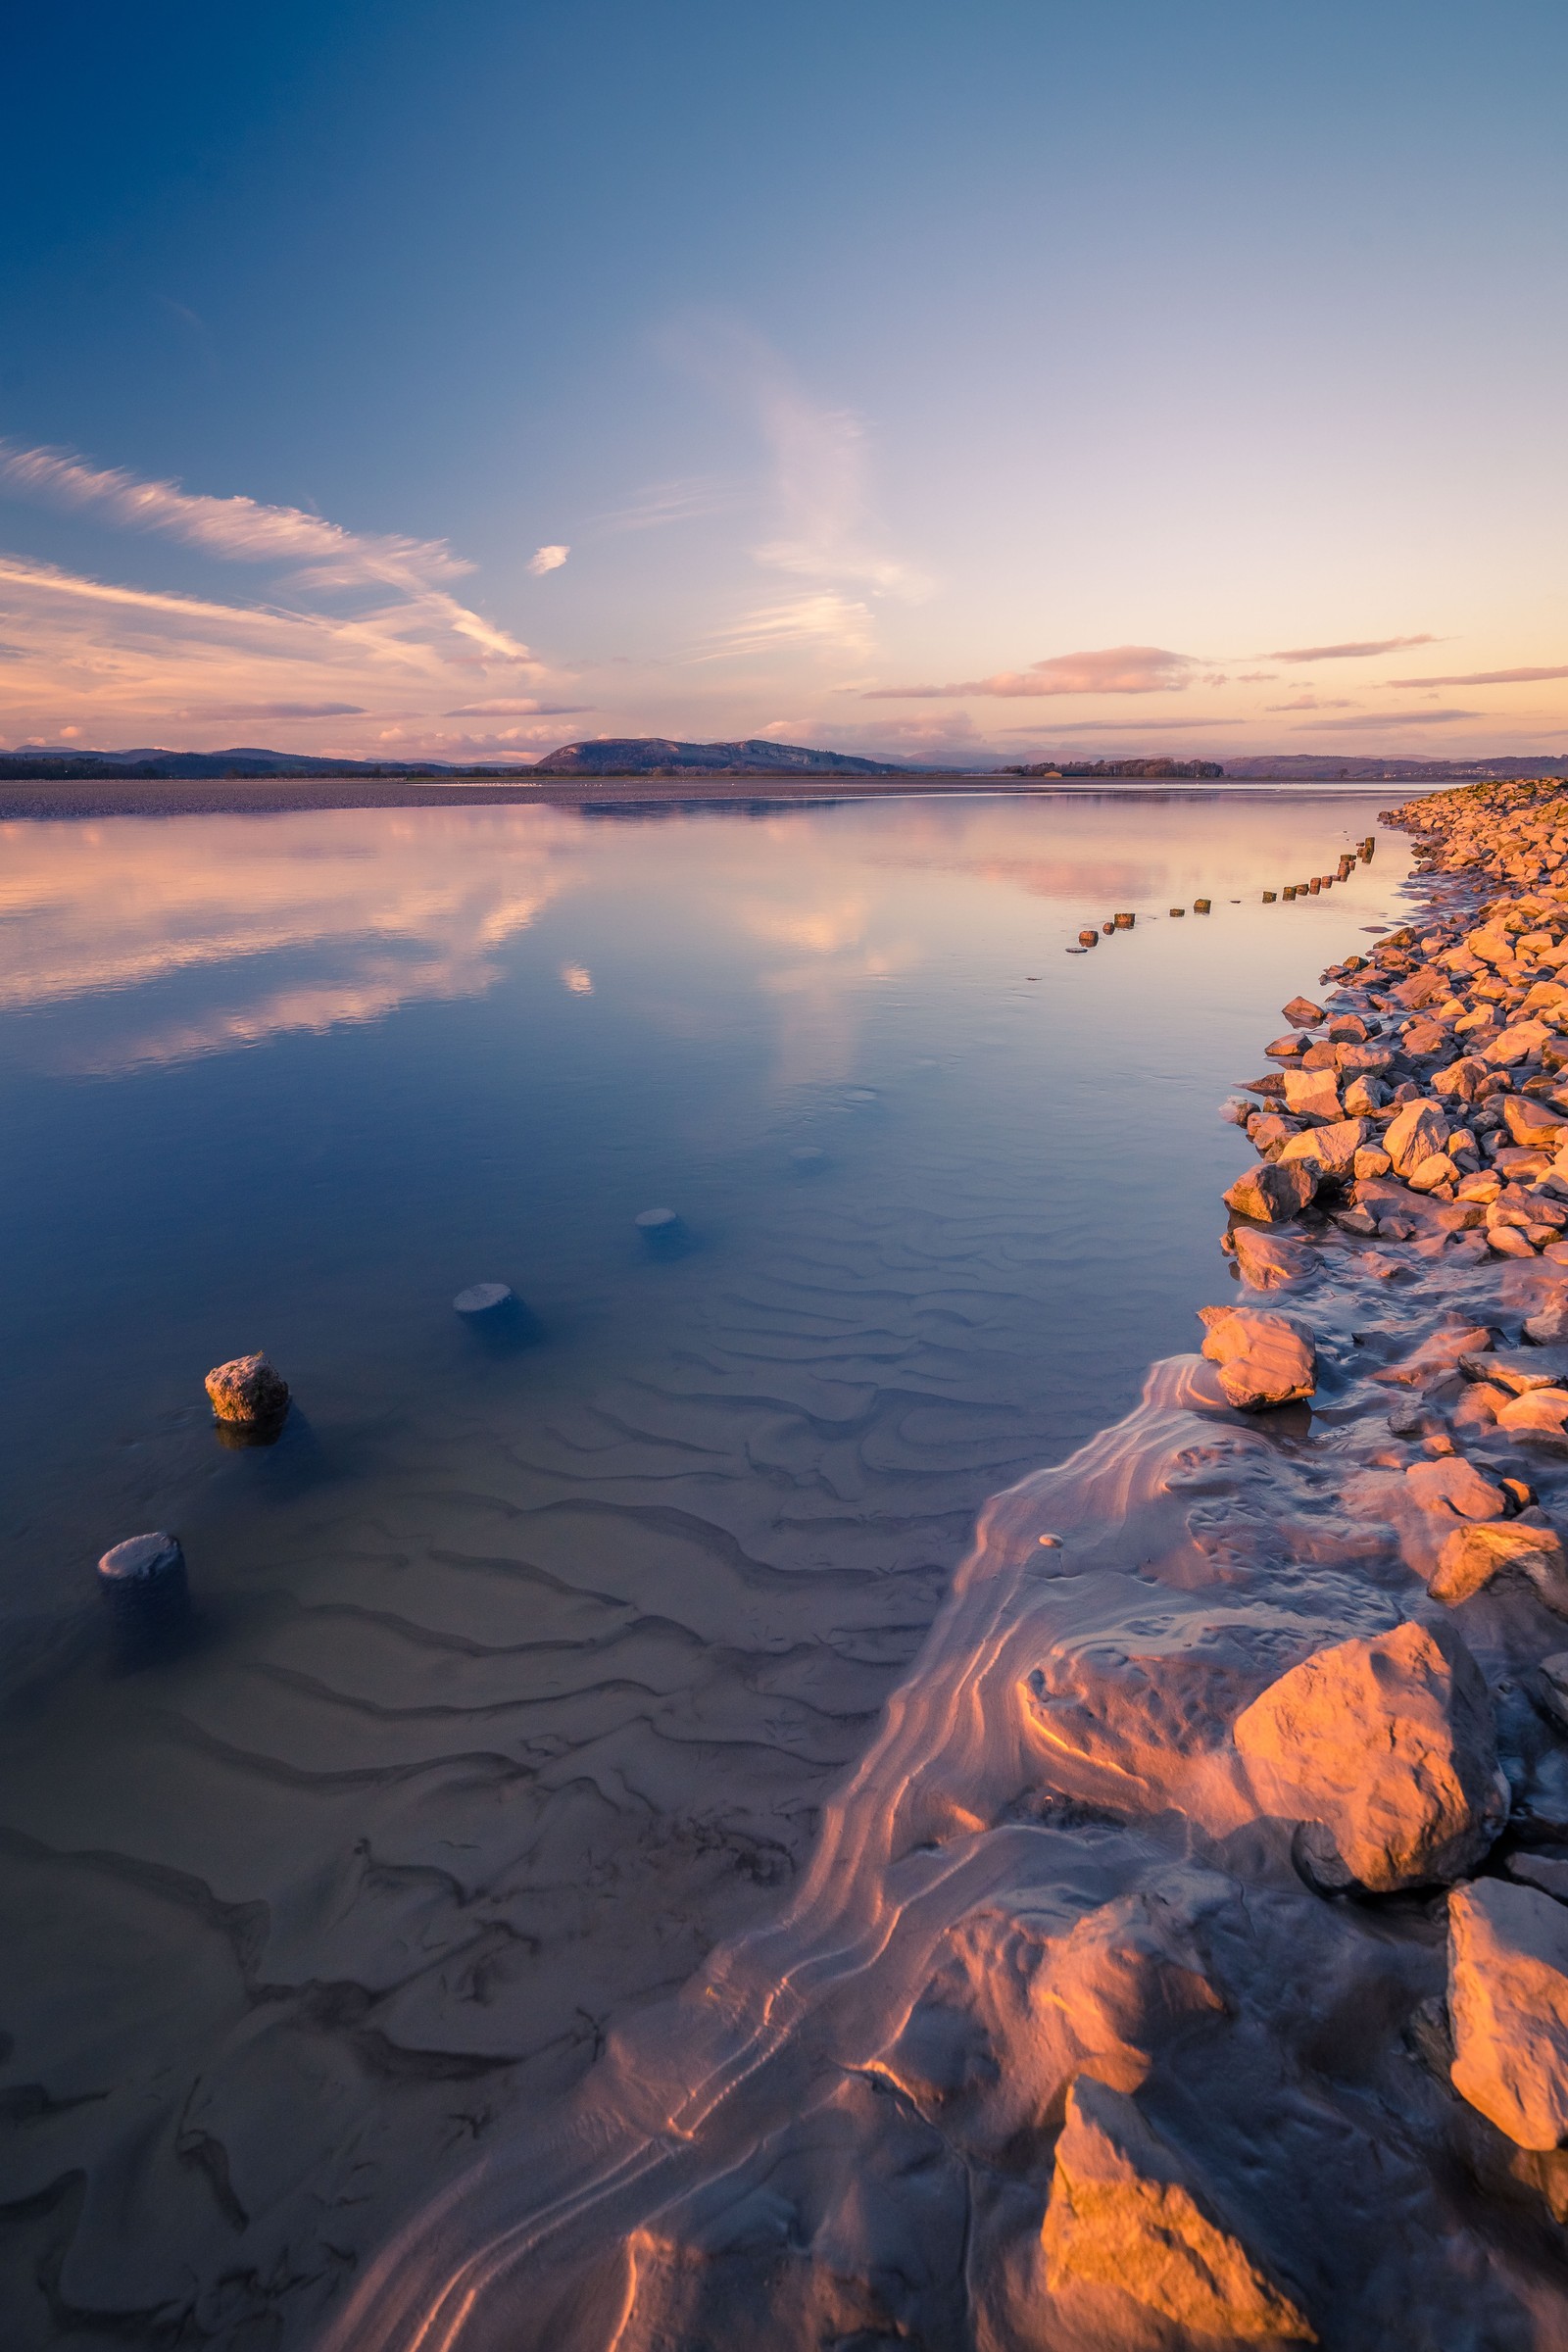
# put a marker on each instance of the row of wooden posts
(1291, 890)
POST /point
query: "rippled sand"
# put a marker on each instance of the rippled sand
(527, 1683)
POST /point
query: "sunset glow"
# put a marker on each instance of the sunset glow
(1000, 426)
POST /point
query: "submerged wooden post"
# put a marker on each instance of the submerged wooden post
(143, 1581)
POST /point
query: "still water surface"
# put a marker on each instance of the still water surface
(516, 1678)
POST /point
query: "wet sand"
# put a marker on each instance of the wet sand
(242, 796)
(272, 796)
(1128, 2001)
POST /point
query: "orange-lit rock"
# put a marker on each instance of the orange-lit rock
(1333, 1147)
(1385, 1751)
(247, 1390)
(1274, 1191)
(1508, 2008)
(1127, 2212)
(1264, 1358)
(1269, 1264)
(1454, 1488)
(1312, 1094)
(1018, 2006)
(1471, 1557)
(1413, 1135)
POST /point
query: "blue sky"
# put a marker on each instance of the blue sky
(945, 382)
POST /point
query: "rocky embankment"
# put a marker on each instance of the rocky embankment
(1187, 1964)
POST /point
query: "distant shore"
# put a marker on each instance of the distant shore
(45, 798)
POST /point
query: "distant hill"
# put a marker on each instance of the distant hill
(63, 762)
(657, 756)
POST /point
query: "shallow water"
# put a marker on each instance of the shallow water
(518, 1679)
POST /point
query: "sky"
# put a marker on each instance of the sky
(1018, 380)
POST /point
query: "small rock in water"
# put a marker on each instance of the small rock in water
(248, 1393)
(1384, 1750)
(1302, 1013)
(1264, 1359)
(1088, 938)
(1179, 910)
(1127, 2212)
(1508, 2008)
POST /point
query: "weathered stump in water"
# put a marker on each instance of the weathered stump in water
(664, 1232)
(143, 1582)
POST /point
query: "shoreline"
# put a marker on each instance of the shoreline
(1184, 1960)
(45, 801)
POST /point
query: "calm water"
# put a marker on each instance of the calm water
(516, 1678)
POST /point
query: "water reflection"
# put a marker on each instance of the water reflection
(415, 910)
(522, 1672)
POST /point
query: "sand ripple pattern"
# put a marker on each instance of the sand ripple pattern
(815, 2141)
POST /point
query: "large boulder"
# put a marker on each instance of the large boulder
(1508, 2008)
(1126, 2213)
(1264, 1358)
(1274, 1191)
(1385, 1751)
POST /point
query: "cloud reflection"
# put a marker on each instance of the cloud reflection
(396, 913)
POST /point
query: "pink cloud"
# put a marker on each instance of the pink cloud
(514, 708)
(1114, 669)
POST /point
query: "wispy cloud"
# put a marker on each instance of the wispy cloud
(1354, 650)
(1486, 677)
(662, 504)
(319, 554)
(127, 659)
(548, 558)
(1126, 726)
(1382, 720)
(1309, 702)
(277, 710)
(841, 623)
(516, 706)
(1114, 669)
(819, 463)
(97, 659)
(239, 529)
